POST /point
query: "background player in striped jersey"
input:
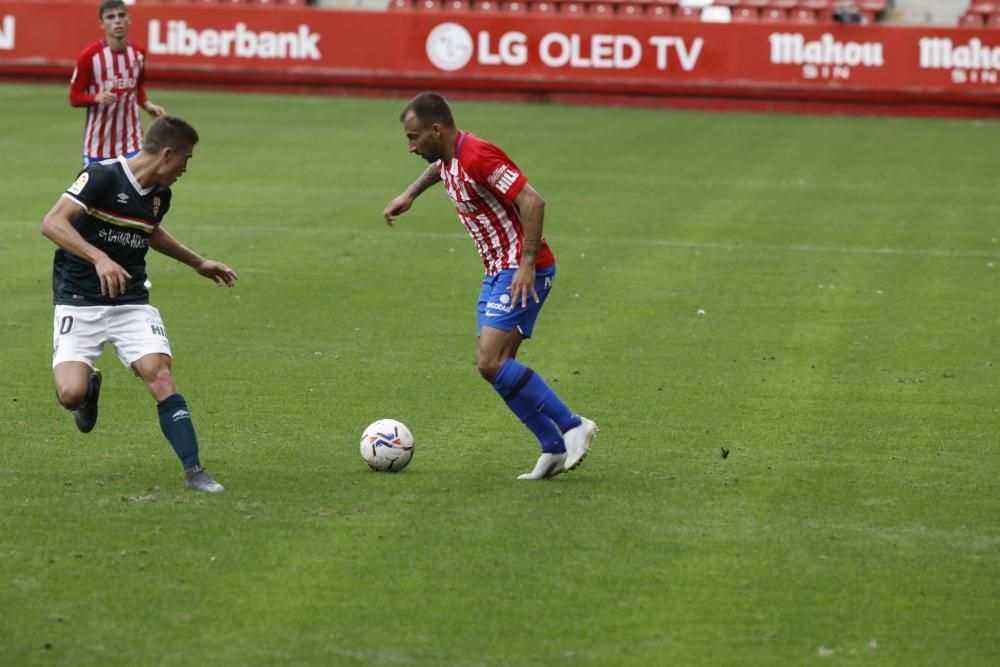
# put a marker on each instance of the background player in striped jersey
(504, 215)
(109, 82)
(104, 224)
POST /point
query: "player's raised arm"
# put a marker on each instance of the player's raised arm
(161, 241)
(402, 202)
(57, 226)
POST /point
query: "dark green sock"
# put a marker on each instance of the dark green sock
(176, 424)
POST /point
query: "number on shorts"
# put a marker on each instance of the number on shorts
(65, 325)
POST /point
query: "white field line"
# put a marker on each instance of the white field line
(993, 254)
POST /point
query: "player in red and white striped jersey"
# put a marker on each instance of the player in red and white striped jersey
(109, 82)
(504, 216)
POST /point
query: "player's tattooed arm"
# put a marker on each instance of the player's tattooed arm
(401, 203)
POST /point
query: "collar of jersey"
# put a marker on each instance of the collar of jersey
(131, 177)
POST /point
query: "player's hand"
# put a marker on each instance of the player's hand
(396, 208)
(218, 272)
(522, 285)
(114, 279)
(106, 97)
(154, 110)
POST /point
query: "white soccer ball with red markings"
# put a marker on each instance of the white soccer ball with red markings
(387, 445)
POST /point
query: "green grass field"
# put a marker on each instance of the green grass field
(847, 357)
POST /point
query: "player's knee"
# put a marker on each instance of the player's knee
(162, 383)
(71, 398)
(488, 368)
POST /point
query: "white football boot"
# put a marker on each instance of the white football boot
(577, 442)
(199, 480)
(548, 466)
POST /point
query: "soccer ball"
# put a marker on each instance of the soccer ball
(387, 445)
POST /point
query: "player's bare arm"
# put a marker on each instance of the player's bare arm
(162, 242)
(57, 226)
(154, 110)
(532, 210)
(402, 203)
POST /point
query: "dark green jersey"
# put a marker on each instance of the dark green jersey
(119, 219)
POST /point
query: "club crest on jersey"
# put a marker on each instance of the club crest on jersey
(156, 206)
(79, 184)
(502, 178)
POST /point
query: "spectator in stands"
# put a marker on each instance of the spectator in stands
(847, 12)
(108, 81)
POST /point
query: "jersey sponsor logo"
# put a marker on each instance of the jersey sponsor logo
(7, 33)
(120, 85)
(79, 184)
(502, 178)
(122, 198)
(124, 238)
(182, 40)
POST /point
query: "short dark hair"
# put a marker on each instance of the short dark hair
(169, 132)
(108, 5)
(429, 108)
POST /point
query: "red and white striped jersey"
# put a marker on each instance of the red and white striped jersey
(483, 183)
(114, 129)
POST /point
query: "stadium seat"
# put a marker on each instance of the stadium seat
(687, 13)
(456, 5)
(744, 14)
(757, 7)
(427, 5)
(968, 20)
(803, 15)
(663, 9)
(982, 7)
(542, 7)
(823, 9)
(600, 8)
(572, 7)
(400, 5)
(633, 7)
(514, 6)
(773, 15)
(485, 6)
(873, 10)
(993, 21)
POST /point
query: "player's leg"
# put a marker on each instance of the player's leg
(175, 418)
(140, 340)
(77, 338)
(503, 326)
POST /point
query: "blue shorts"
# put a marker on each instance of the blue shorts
(87, 161)
(496, 310)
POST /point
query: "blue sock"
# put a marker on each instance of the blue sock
(176, 424)
(515, 380)
(548, 435)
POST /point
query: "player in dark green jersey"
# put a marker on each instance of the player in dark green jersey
(104, 224)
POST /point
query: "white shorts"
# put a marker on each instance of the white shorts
(79, 333)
